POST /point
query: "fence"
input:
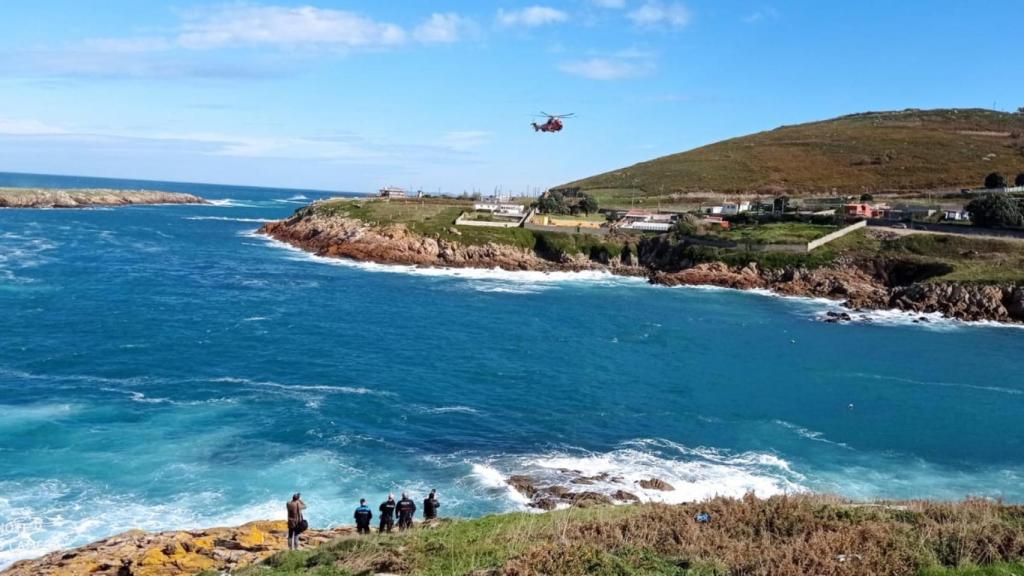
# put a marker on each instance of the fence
(463, 221)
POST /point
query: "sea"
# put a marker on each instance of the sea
(165, 367)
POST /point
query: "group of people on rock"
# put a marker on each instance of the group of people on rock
(402, 510)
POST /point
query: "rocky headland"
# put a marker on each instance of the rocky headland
(85, 198)
(863, 282)
(186, 552)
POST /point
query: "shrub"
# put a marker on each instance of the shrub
(995, 180)
(995, 211)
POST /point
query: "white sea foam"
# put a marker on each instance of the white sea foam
(509, 277)
(808, 433)
(448, 410)
(229, 219)
(304, 387)
(941, 384)
(695, 474)
(491, 478)
(228, 203)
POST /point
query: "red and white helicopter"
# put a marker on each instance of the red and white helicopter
(554, 123)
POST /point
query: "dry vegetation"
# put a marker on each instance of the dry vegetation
(912, 150)
(782, 536)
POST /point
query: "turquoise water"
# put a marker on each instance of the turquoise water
(162, 367)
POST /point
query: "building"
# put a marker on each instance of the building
(392, 192)
(646, 221)
(500, 208)
(733, 208)
(864, 210)
(956, 215)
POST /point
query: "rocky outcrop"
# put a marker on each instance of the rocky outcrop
(867, 284)
(53, 198)
(182, 553)
(860, 289)
(395, 244)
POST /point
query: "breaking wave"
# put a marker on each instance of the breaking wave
(694, 474)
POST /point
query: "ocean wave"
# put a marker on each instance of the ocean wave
(695, 474)
(979, 387)
(229, 219)
(304, 387)
(590, 277)
(808, 433)
(448, 410)
(141, 398)
(229, 203)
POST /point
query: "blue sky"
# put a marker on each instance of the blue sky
(350, 95)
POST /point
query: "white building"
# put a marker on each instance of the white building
(733, 208)
(392, 192)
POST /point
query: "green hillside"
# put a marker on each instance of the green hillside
(912, 150)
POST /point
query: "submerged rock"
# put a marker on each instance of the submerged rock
(656, 484)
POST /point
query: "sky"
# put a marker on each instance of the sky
(356, 95)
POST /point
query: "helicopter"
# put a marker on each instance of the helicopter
(554, 123)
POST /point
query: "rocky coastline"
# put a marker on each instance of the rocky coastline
(86, 198)
(859, 284)
(177, 553)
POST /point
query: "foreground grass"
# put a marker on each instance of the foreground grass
(784, 536)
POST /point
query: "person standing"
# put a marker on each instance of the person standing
(363, 516)
(387, 514)
(430, 506)
(406, 510)
(296, 523)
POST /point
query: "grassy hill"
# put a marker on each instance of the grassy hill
(911, 150)
(780, 536)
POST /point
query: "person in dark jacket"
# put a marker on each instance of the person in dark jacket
(406, 510)
(430, 506)
(387, 514)
(295, 508)
(363, 516)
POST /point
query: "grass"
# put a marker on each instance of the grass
(969, 260)
(783, 536)
(879, 151)
(776, 233)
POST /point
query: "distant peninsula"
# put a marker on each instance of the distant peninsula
(86, 198)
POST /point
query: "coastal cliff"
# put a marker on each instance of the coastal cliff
(341, 237)
(864, 281)
(84, 198)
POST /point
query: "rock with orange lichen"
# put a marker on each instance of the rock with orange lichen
(181, 553)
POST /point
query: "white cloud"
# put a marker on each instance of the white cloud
(616, 4)
(608, 67)
(28, 127)
(531, 16)
(284, 26)
(657, 13)
(443, 29)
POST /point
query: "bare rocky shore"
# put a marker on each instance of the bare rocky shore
(181, 553)
(84, 198)
(861, 284)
